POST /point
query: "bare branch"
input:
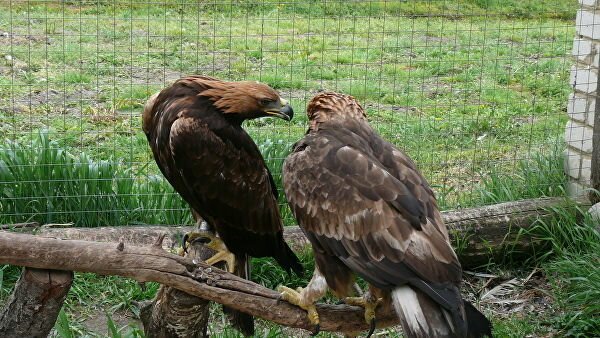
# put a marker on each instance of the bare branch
(148, 264)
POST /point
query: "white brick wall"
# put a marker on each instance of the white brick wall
(577, 108)
(587, 19)
(584, 78)
(590, 3)
(579, 136)
(582, 103)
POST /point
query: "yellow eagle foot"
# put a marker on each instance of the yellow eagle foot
(369, 303)
(295, 297)
(211, 241)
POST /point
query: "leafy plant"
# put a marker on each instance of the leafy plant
(63, 326)
(44, 182)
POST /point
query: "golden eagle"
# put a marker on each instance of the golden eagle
(368, 211)
(194, 128)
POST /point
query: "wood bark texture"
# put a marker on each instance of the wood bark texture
(174, 313)
(33, 307)
(481, 235)
(195, 278)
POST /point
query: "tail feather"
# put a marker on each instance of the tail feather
(289, 261)
(478, 325)
(420, 316)
(243, 322)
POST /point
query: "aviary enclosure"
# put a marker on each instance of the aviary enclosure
(475, 91)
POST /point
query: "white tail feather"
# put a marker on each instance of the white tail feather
(420, 315)
(408, 308)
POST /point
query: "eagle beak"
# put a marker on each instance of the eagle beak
(288, 112)
(284, 112)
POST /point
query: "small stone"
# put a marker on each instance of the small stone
(4, 34)
(594, 211)
(8, 57)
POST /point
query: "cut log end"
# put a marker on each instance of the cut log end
(35, 303)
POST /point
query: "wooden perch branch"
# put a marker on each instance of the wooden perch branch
(195, 278)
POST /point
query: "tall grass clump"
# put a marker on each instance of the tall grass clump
(541, 175)
(571, 258)
(40, 181)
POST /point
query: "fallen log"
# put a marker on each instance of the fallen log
(35, 303)
(193, 277)
(480, 235)
(19, 226)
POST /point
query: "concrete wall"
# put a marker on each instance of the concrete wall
(582, 102)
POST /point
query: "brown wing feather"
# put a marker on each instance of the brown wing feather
(382, 222)
(234, 188)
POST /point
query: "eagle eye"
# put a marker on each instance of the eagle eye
(266, 102)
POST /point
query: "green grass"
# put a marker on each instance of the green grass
(571, 262)
(463, 86)
(538, 176)
(43, 182)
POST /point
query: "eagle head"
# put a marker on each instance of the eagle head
(327, 106)
(247, 100)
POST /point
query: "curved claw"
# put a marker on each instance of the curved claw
(184, 243)
(372, 328)
(316, 330)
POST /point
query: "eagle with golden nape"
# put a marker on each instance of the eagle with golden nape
(368, 211)
(194, 128)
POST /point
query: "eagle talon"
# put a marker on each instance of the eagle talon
(184, 245)
(295, 297)
(372, 328)
(369, 303)
(316, 330)
(211, 241)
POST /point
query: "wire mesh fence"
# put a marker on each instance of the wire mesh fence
(474, 90)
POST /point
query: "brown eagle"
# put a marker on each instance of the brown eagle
(368, 211)
(194, 128)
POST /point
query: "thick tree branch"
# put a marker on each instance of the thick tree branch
(195, 278)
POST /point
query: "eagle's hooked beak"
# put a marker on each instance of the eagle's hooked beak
(284, 111)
